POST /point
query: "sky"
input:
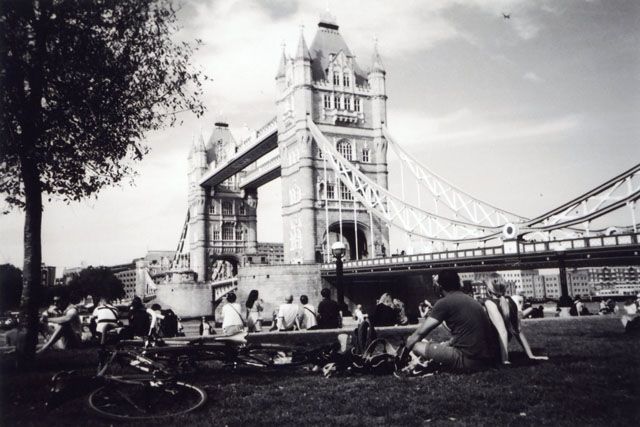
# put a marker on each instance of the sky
(524, 113)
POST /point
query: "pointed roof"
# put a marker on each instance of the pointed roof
(282, 68)
(377, 61)
(199, 146)
(329, 41)
(220, 135)
(302, 51)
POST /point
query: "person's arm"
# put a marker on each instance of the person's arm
(66, 317)
(422, 331)
(527, 349)
(498, 323)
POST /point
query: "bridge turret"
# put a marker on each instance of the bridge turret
(377, 82)
(302, 101)
(281, 75)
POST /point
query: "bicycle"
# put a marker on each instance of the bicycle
(157, 393)
(154, 395)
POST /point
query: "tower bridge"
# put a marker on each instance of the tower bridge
(328, 144)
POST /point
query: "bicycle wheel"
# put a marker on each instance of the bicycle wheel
(146, 399)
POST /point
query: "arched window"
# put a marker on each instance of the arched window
(239, 233)
(347, 80)
(336, 78)
(344, 148)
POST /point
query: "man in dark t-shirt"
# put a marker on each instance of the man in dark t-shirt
(474, 344)
(329, 315)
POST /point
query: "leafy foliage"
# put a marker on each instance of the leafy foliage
(10, 286)
(83, 82)
(97, 282)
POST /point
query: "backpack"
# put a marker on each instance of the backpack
(169, 324)
(378, 358)
(363, 335)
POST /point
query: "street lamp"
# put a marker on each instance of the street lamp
(338, 250)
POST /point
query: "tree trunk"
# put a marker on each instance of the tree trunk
(32, 276)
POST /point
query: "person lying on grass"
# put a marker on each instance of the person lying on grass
(503, 313)
(473, 346)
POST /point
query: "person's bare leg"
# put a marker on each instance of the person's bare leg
(55, 335)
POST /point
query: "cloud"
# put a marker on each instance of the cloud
(532, 77)
(465, 127)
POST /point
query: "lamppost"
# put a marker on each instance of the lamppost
(338, 250)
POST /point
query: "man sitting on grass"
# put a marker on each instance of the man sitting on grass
(65, 328)
(474, 344)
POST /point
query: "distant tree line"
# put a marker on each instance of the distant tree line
(96, 282)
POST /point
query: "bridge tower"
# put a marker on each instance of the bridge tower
(222, 219)
(327, 85)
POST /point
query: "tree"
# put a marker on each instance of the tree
(97, 282)
(82, 82)
(10, 286)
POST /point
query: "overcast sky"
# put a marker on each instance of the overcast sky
(525, 113)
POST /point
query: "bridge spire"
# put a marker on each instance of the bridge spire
(376, 61)
(282, 68)
(303, 50)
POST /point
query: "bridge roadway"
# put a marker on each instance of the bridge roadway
(623, 249)
(264, 141)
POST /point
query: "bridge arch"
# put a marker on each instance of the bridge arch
(357, 248)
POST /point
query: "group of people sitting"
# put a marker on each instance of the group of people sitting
(288, 317)
(63, 328)
(480, 330)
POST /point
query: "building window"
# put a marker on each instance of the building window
(350, 103)
(327, 101)
(216, 233)
(239, 233)
(331, 192)
(227, 208)
(227, 231)
(347, 80)
(242, 209)
(336, 78)
(345, 194)
(212, 207)
(358, 106)
(365, 155)
(344, 148)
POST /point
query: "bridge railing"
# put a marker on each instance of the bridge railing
(526, 247)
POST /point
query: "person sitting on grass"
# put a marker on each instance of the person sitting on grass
(329, 314)
(106, 318)
(503, 313)
(385, 313)
(65, 328)
(232, 321)
(307, 315)
(288, 315)
(473, 346)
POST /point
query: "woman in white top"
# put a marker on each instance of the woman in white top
(232, 321)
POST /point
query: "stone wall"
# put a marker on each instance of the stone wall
(186, 300)
(275, 282)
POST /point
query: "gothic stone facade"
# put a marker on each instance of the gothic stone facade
(324, 82)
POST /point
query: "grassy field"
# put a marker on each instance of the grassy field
(592, 378)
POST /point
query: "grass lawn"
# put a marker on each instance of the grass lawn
(592, 378)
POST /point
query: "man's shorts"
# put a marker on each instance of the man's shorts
(453, 358)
